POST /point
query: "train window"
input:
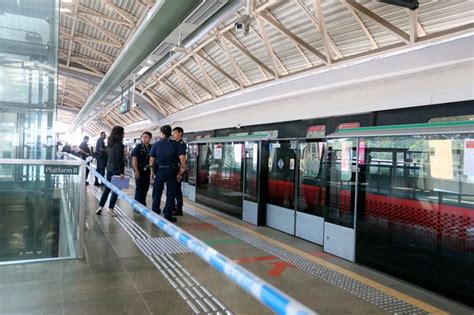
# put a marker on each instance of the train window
(311, 192)
(346, 161)
(441, 159)
(281, 173)
(452, 118)
(192, 163)
(415, 207)
(251, 171)
(219, 176)
(339, 168)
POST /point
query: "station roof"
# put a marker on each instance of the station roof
(285, 38)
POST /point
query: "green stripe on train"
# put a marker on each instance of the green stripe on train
(411, 126)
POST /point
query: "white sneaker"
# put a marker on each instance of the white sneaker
(98, 211)
(112, 212)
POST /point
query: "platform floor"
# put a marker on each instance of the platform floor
(131, 267)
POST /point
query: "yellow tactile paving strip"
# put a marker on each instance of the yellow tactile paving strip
(374, 284)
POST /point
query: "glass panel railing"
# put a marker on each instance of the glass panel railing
(41, 209)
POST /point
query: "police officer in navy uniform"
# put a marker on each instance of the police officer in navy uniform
(178, 137)
(141, 167)
(165, 156)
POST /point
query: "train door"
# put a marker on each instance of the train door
(250, 195)
(219, 176)
(311, 192)
(190, 184)
(282, 159)
(340, 197)
(253, 206)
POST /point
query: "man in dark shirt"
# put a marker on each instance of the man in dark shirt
(178, 137)
(101, 156)
(85, 152)
(67, 148)
(164, 158)
(141, 167)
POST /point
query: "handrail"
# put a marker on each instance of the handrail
(42, 162)
(268, 295)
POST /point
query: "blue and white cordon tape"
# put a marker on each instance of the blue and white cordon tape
(267, 294)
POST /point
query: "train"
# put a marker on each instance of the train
(399, 182)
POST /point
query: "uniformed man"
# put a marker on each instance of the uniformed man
(165, 156)
(141, 167)
(178, 137)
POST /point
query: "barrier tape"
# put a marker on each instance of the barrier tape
(268, 295)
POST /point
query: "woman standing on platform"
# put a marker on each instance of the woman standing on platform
(115, 166)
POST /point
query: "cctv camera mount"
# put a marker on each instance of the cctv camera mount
(242, 25)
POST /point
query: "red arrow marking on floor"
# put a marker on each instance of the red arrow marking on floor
(199, 226)
(254, 259)
(278, 268)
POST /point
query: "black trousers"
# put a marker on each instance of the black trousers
(87, 171)
(142, 185)
(105, 194)
(101, 165)
(164, 176)
(179, 197)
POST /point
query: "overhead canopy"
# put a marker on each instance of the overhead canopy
(285, 38)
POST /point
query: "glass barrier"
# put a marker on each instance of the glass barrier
(339, 168)
(41, 209)
(311, 197)
(251, 171)
(219, 181)
(416, 217)
(281, 173)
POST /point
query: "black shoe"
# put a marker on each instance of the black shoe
(170, 218)
(87, 183)
(177, 213)
(96, 184)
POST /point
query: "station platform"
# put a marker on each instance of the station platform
(131, 267)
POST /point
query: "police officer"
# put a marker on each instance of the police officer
(165, 156)
(178, 137)
(141, 167)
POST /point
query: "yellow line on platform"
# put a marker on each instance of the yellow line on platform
(374, 284)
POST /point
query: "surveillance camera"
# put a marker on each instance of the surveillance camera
(135, 105)
(242, 25)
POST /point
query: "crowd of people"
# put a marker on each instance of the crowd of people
(164, 162)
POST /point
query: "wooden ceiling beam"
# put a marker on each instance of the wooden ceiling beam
(266, 15)
(192, 94)
(237, 69)
(124, 14)
(233, 41)
(380, 21)
(191, 78)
